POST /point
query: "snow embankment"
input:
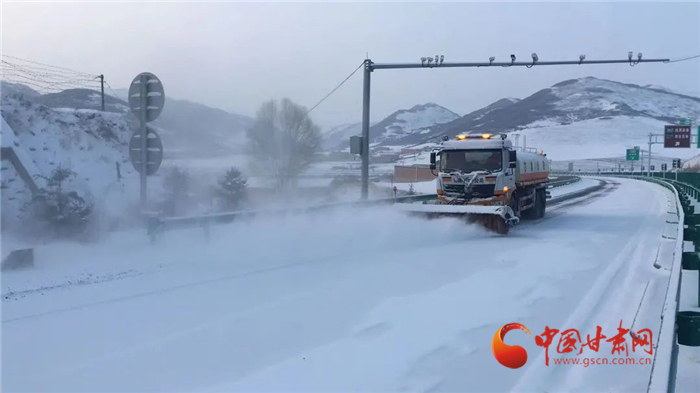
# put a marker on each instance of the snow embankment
(90, 143)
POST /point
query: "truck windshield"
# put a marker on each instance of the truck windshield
(471, 160)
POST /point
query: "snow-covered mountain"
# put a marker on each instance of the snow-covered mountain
(419, 120)
(198, 130)
(187, 128)
(396, 127)
(339, 135)
(693, 164)
(9, 88)
(568, 102)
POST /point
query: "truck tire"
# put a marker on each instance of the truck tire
(532, 212)
(541, 202)
(514, 204)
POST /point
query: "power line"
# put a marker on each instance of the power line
(50, 66)
(683, 59)
(114, 93)
(336, 88)
(44, 77)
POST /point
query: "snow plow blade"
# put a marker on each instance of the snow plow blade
(494, 218)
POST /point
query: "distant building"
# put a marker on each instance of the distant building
(385, 158)
(413, 173)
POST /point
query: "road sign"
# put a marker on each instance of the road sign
(685, 122)
(146, 100)
(154, 152)
(633, 154)
(155, 96)
(676, 136)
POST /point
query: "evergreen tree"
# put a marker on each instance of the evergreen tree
(232, 189)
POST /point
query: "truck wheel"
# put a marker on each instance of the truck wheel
(533, 212)
(514, 204)
(541, 203)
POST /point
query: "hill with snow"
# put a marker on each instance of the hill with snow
(394, 129)
(569, 102)
(90, 143)
(187, 128)
(692, 164)
(197, 130)
(404, 123)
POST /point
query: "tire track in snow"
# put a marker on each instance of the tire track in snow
(539, 376)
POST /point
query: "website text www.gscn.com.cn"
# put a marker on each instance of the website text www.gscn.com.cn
(585, 362)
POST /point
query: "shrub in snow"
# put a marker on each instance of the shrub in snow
(232, 190)
(64, 212)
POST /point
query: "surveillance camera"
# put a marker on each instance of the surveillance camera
(442, 58)
(534, 57)
(582, 57)
(491, 59)
(639, 56)
(629, 55)
(512, 57)
(423, 59)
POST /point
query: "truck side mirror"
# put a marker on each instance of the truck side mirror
(432, 160)
(512, 158)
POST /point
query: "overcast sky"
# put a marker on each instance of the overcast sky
(234, 56)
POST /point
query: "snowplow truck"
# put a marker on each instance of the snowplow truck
(483, 178)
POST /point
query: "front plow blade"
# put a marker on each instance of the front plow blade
(494, 218)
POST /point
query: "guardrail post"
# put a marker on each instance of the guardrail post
(691, 261)
(692, 220)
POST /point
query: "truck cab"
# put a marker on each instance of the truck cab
(487, 170)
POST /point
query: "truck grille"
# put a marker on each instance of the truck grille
(478, 190)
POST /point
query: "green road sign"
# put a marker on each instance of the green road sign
(685, 122)
(633, 154)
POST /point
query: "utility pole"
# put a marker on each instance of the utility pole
(143, 92)
(437, 62)
(365, 128)
(649, 156)
(102, 85)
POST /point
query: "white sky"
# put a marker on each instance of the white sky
(236, 55)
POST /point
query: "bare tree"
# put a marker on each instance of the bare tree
(283, 141)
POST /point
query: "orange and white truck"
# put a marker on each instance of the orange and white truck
(486, 179)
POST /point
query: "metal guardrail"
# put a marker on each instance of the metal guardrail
(565, 182)
(158, 225)
(663, 377)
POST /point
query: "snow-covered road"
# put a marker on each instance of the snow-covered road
(351, 300)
